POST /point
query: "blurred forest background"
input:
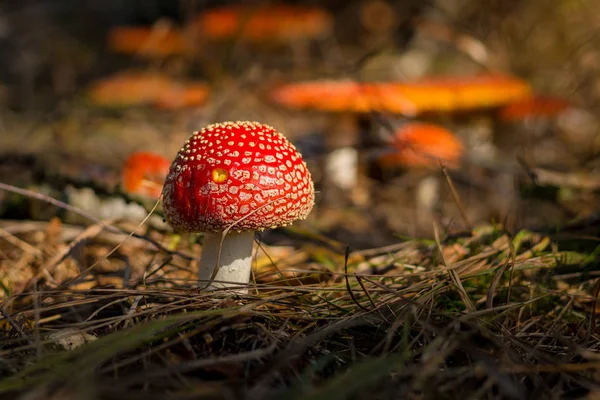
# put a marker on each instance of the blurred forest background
(452, 252)
(54, 51)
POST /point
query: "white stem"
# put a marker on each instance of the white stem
(428, 194)
(235, 260)
(341, 167)
(427, 198)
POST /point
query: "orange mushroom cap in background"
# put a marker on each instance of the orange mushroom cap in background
(269, 23)
(439, 94)
(423, 145)
(146, 41)
(452, 94)
(128, 88)
(533, 107)
(340, 96)
(138, 88)
(182, 95)
(144, 174)
(325, 95)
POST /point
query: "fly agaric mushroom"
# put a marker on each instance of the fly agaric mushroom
(144, 173)
(142, 177)
(128, 88)
(139, 88)
(347, 102)
(460, 93)
(532, 108)
(412, 98)
(159, 41)
(531, 125)
(274, 22)
(263, 27)
(182, 95)
(229, 180)
(423, 145)
(353, 100)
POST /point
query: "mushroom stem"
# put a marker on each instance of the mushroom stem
(341, 164)
(235, 260)
(341, 167)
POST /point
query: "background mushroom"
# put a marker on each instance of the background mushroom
(534, 107)
(423, 146)
(229, 180)
(161, 40)
(273, 26)
(529, 127)
(133, 88)
(351, 102)
(347, 104)
(144, 173)
(264, 23)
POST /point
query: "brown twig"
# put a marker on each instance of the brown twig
(456, 198)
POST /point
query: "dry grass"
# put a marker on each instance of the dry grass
(484, 315)
(91, 312)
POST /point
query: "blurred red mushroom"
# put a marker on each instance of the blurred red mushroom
(159, 41)
(260, 29)
(473, 96)
(268, 23)
(341, 96)
(423, 145)
(183, 95)
(429, 95)
(141, 88)
(461, 93)
(347, 102)
(144, 173)
(532, 125)
(533, 107)
(128, 89)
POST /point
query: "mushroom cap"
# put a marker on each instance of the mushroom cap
(140, 88)
(451, 94)
(128, 88)
(244, 174)
(144, 173)
(533, 107)
(146, 41)
(271, 23)
(182, 95)
(424, 145)
(434, 94)
(326, 95)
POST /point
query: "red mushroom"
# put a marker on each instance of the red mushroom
(159, 41)
(133, 88)
(533, 107)
(143, 174)
(270, 23)
(420, 144)
(229, 180)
